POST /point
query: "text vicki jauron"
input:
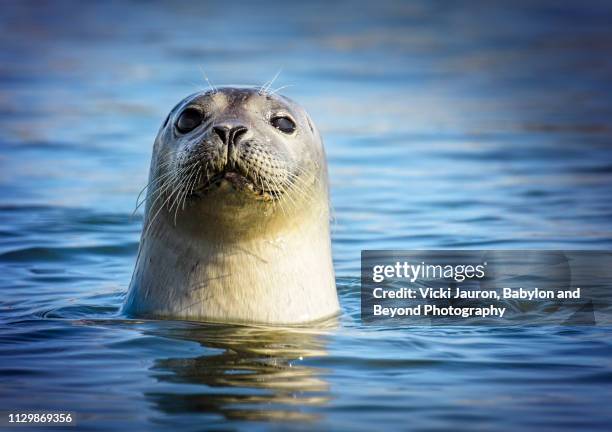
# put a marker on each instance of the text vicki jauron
(433, 310)
(459, 293)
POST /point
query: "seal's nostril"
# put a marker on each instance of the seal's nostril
(229, 135)
(223, 132)
(236, 132)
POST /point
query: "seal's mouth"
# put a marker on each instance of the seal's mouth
(239, 182)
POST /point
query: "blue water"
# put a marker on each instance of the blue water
(476, 125)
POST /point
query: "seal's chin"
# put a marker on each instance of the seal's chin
(237, 182)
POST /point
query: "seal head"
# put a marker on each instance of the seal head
(236, 215)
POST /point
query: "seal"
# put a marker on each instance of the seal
(236, 224)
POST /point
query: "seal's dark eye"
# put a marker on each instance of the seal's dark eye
(189, 119)
(283, 124)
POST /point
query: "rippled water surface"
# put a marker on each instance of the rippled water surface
(447, 125)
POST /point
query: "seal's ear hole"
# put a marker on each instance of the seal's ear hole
(283, 124)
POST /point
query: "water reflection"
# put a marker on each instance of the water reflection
(254, 373)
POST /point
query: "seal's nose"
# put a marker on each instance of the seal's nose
(229, 134)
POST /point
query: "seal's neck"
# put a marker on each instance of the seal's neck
(285, 276)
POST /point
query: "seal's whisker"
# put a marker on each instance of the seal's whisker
(296, 180)
(304, 194)
(291, 199)
(152, 182)
(197, 86)
(190, 184)
(299, 187)
(166, 184)
(260, 178)
(150, 224)
(196, 180)
(182, 186)
(273, 79)
(170, 184)
(297, 176)
(264, 89)
(261, 90)
(210, 84)
(191, 179)
(167, 157)
(139, 202)
(285, 186)
(314, 183)
(177, 198)
(280, 88)
(283, 192)
(156, 179)
(164, 164)
(182, 194)
(278, 187)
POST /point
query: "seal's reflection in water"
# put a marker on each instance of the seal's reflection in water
(256, 376)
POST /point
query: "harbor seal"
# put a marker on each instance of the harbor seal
(236, 225)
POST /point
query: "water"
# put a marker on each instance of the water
(475, 125)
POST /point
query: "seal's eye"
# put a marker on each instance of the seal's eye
(283, 124)
(189, 119)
